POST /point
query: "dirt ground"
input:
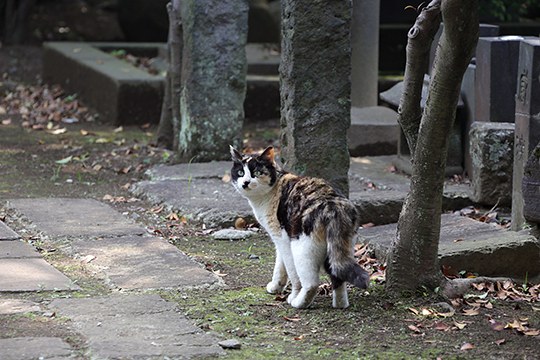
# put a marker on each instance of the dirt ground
(93, 160)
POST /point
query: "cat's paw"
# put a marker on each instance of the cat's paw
(300, 302)
(293, 295)
(340, 303)
(274, 287)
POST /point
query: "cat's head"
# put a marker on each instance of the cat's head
(254, 175)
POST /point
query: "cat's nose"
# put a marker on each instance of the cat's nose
(245, 185)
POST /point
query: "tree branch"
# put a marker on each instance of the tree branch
(418, 46)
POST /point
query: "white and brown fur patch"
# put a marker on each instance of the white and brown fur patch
(311, 225)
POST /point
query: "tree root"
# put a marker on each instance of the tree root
(453, 288)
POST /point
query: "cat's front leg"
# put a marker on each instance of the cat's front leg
(279, 277)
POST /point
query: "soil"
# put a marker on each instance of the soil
(376, 326)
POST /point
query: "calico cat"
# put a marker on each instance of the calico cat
(310, 224)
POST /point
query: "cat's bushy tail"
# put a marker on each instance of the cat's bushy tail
(340, 262)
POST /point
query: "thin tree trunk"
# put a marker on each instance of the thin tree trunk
(15, 17)
(169, 128)
(418, 47)
(413, 260)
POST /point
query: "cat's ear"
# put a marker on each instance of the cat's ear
(235, 155)
(268, 155)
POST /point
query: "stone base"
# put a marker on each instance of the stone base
(374, 131)
(466, 244)
(492, 150)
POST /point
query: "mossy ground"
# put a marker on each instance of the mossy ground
(375, 326)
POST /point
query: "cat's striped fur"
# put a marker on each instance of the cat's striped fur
(311, 225)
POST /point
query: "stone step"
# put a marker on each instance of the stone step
(135, 327)
(470, 245)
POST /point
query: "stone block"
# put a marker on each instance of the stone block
(470, 245)
(531, 187)
(527, 133)
(374, 131)
(496, 78)
(492, 147)
(121, 93)
(485, 30)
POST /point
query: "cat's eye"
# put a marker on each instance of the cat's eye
(240, 172)
(257, 173)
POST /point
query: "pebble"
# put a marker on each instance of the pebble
(232, 234)
(230, 344)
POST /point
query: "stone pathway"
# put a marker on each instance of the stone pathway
(23, 269)
(128, 325)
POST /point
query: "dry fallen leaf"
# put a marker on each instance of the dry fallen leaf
(500, 341)
(296, 318)
(471, 312)
(414, 329)
(497, 326)
(460, 325)
(467, 346)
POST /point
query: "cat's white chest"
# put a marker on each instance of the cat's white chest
(261, 210)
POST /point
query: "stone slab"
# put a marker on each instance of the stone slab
(374, 131)
(19, 275)
(135, 262)
(211, 201)
(17, 249)
(17, 306)
(30, 348)
(6, 233)
(75, 217)
(136, 327)
(122, 93)
(466, 244)
(198, 189)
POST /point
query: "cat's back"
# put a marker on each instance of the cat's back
(305, 200)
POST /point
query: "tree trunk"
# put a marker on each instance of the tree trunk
(15, 16)
(418, 47)
(169, 128)
(413, 260)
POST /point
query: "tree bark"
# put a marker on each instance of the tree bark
(15, 16)
(169, 123)
(418, 47)
(413, 260)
